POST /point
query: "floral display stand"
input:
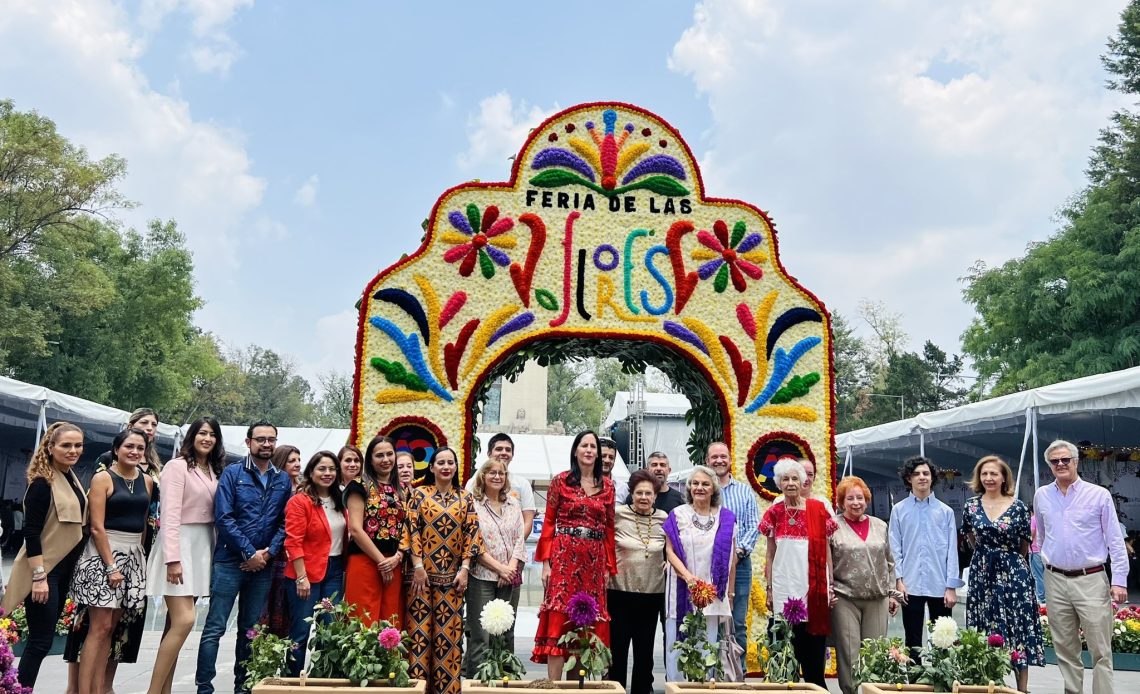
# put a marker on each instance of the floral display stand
(1120, 661)
(57, 645)
(317, 685)
(868, 688)
(538, 686)
(714, 687)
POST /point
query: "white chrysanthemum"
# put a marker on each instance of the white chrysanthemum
(944, 632)
(497, 617)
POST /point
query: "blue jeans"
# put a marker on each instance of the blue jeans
(1037, 566)
(250, 590)
(332, 586)
(742, 587)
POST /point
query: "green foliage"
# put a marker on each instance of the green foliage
(853, 373)
(970, 661)
(268, 656)
(342, 647)
(334, 407)
(500, 662)
(587, 652)
(696, 657)
(570, 400)
(797, 387)
(782, 665)
(883, 661)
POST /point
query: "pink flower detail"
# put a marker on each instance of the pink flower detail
(389, 638)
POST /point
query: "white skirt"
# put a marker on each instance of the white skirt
(197, 543)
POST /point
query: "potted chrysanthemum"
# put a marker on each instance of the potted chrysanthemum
(500, 664)
(589, 655)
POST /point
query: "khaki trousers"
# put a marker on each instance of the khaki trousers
(851, 622)
(1081, 602)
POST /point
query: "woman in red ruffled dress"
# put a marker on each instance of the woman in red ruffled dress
(576, 549)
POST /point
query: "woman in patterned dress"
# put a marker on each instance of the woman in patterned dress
(799, 564)
(864, 578)
(443, 539)
(377, 524)
(577, 549)
(1002, 599)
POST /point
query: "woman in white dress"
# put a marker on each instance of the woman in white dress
(699, 545)
(799, 565)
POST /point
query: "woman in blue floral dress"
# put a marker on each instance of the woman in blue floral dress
(1002, 599)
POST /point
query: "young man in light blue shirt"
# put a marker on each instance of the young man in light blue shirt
(924, 541)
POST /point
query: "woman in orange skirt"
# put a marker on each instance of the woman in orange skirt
(377, 525)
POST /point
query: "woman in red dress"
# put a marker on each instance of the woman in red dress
(576, 549)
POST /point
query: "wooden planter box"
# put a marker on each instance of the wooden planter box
(1120, 661)
(709, 688)
(960, 689)
(471, 686)
(317, 685)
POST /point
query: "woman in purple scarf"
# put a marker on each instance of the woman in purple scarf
(699, 545)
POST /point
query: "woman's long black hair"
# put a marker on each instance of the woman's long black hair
(217, 455)
(574, 479)
(429, 476)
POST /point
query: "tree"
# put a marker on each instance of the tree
(1070, 306)
(334, 407)
(570, 400)
(274, 390)
(852, 372)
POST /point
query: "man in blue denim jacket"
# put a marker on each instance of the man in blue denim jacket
(249, 517)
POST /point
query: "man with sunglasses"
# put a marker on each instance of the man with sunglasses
(1080, 533)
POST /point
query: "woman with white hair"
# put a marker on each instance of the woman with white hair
(799, 566)
(699, 545)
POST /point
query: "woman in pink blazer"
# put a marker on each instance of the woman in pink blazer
(180, 563)
(316, 526)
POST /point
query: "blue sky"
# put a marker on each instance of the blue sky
(300, 144)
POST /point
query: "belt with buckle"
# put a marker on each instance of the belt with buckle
(579, 532)
(1072, 573)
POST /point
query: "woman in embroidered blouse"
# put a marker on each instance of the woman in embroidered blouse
(349, 462)
(636, 595)
(315, 525)
(497, 574)
(864, 571)
(55, 516)
(180, 562)
(799, 564)
(576, 549)
(699, 545)
(1002, 599)
(443, 539)
(377, 523)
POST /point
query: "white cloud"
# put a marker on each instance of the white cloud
(332, 346)
(906, 140)
(267, 229)
(211, 48)
(306, 195)
(497, 131)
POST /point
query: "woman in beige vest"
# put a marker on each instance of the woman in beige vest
(55, 518)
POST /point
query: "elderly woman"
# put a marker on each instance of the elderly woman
(864, 571)
(1002, 599)
(699, 545)
(799, 564)
(636, 595)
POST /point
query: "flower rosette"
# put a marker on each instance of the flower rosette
(497, 617)
(795, 611)
(499, 661)
(389, 638)
(702, 594)
(944, 632)
(582, 610)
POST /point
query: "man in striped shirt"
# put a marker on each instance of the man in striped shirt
(741, 500)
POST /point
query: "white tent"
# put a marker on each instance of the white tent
(664, 427)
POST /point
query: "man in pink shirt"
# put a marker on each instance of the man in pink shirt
(1079, 532)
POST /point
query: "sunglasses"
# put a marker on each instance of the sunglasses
(1062, 462)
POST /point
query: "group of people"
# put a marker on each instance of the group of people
(276, 536)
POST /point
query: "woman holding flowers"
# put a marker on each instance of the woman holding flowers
(864, 578)
(576, 550)
(798, 571)
(636, 596)
(443, 540)
(1002, 599)
(376, 526)
(315, 525)
(701, 551)
(55, 518)
(498, 572)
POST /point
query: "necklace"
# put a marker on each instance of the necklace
(705, 525)
(792, 516)
(130, 482)
(647, 536)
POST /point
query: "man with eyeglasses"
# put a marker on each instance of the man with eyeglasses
(1080, 533)
(249, 517)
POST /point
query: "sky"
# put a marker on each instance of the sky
(299, 145)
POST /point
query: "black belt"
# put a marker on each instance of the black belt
(580, 532)
(1072, 573)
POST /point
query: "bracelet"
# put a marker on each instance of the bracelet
(39, 571)
(41, 579)
(303, 578)
(419, 566)
(464, 568)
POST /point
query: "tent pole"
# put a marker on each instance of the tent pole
(1036, 465)
(847, 463)
(1024, 446)
(41, 425)
(921, 443)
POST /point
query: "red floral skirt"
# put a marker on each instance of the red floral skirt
(553, 625)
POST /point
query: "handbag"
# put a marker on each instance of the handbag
(731, 654)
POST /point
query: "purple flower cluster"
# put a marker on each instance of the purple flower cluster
(583, 609)
(795, 611)
(8, 682)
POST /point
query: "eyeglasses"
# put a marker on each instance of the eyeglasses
(496, 473)
(264, 439)
(1062, 462)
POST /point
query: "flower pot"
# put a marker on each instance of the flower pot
(57, 645)
(713, 688)
(528, 686)
(1120, 661)
(958, 688)
(318, 685)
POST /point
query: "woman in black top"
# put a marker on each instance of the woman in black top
(110, 577)
(54, 517)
